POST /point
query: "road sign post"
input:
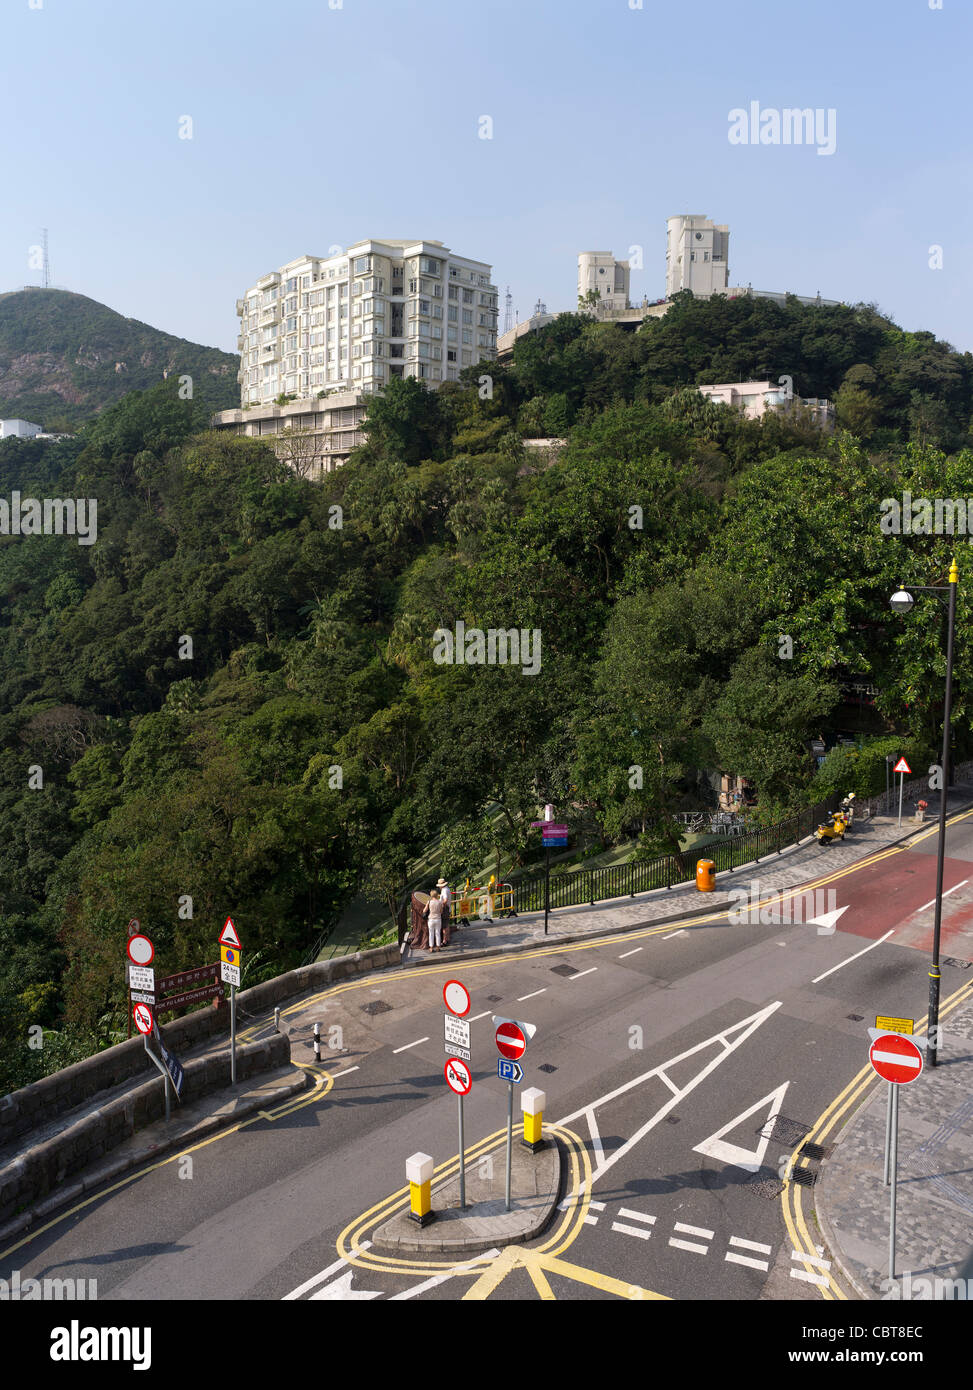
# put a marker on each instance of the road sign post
(460, 1079)
(511, 1039)
(229, 938)
(456, 997)
(898, 1060)
(901, 767)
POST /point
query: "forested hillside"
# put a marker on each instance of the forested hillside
(233, 696)
(64, 357)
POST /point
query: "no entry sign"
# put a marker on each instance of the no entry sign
(458, 1077)
(895, 1058)
(511, 1041)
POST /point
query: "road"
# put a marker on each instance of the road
(683, 1066)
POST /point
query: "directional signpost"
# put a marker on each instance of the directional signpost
(456, 997)
(511, 1039)
(898, 1060)
(134, 928)
(230, 941)
(901, 767)
(553, 835)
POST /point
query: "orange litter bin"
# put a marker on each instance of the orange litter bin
(705, 875)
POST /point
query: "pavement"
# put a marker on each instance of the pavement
(934, 1200)
(774, 872)
(534, 1185)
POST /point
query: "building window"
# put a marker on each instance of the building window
(467, 296)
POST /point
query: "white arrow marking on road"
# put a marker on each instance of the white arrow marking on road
(325, 1274)
(745, 1028)
(826, 922)
(341, 1289)
(747, 1159)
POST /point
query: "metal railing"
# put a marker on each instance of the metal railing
(588, 886)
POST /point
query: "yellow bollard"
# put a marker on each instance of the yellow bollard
(418, 1169)
(532, 1103)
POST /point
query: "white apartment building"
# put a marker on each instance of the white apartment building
(598, 270)
(19, 429)
(697, 252)
(755, 398)
(352, 321)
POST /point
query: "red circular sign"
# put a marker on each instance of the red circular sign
(456, 997)
(511, 1042)
(895, 1058)
(143, 1018)
(140, 950)
(458, 1076)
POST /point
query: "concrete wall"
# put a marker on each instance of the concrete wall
(45, 1165)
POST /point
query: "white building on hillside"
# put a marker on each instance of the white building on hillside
(697, 252)
(755, 398)
(19, 429)
(599, 271)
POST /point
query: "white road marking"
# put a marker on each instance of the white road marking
(630, 953)
(744, 1029)
(746, 1260)
(345, 1072)
(341, 1290)
(532, 996)
(639, 1231)
(438, 1279)
(325, 1274)
(748, 1159)
(810, 1259)
(476, 1016)
(636, 1215)
(688, 1245)
(898, 1058)
(818, 978)
(591, 1220)
(583, 972)
(681, 932)
(408, 1045)
(596, 1143)
(820, 1279)
(693, 1230)
(945, 895)
(750, 1245)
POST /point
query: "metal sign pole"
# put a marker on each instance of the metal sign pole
(462, 1157)
(165, 1074)
(510, 1140)
(232, 1035)
(901, 787)
(888, 1132)
(547, 892)
(895, 1155)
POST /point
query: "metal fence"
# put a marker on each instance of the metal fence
(588, 886)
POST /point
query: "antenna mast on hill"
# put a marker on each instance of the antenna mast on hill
(508, 312)
(47, 263)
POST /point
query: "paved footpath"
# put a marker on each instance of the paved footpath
(934, 1202)
(793, 867)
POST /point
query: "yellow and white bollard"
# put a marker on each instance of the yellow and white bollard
(532, 1103)
(418, 1169)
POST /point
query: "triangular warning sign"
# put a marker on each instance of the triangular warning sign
(747, 1159)
(902, 766)
(228, 936)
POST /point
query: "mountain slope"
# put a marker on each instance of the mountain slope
(64, 357)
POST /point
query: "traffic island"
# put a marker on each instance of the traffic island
(535, 1180)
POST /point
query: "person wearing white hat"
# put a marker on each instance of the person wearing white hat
(446, 895)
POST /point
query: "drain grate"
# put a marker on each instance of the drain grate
(804, 1177)
(547, 1068)
(672, 1119)
(855, 1018)
(956, 964)
(494, 998)
(766, 1183)
(788, 1132)
(816, 1150)
(377, 1006)
(566, 970)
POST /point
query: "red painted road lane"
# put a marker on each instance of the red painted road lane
(889, 895)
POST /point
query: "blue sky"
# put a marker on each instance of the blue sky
(315, 126)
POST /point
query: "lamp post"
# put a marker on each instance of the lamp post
(902, 601)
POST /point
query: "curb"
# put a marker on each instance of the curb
(87, 1182)
(866, 1294)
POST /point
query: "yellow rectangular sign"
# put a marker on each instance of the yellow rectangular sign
(895, 1025)
(230, 955)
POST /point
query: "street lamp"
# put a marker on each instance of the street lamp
(902, 602)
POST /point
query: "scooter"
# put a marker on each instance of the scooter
(833, 829)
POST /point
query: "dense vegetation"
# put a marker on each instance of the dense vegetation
(305, 742)
(64, 357)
